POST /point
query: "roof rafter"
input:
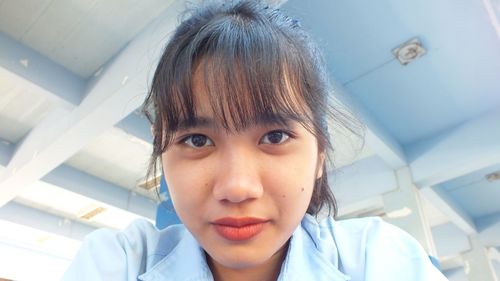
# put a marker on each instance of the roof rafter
(469, 147)
(117, 92)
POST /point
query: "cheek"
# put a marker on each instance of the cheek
(292, 180)
(186, 189)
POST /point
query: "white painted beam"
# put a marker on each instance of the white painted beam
(376, 136)
(404, 208)
(358, 187)
(469, 147)
(477, 263)
(119, 90)
(450, 240)
(37, 155)
(367, 207)
(43, 77)
(54, 86)
(89, 186)
(133, 124)
(451, 263)
(23, 215)
(22, 64)
(364, 179)
(453, 211)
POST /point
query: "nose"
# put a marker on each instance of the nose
(238, 177)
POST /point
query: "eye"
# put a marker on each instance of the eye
(275, 137)
(197, 141)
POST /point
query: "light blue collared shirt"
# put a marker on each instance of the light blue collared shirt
(360, 249)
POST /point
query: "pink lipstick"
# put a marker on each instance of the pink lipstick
(239, 229)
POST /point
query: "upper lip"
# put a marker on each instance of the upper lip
(238, 222)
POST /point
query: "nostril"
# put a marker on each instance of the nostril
(237, 188)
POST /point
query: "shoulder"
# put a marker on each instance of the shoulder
(354, 232)
(349, 238)
(108, 254)
(370, 249)
(362, 234)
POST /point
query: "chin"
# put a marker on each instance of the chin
(239, 260)
(239, 263)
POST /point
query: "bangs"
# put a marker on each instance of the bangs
(242, 93)
(247, 71)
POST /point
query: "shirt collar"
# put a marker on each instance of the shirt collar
(185, 262)
(303, 261)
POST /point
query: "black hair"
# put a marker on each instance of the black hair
(257, 63)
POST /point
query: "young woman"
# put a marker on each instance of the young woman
(239, 109)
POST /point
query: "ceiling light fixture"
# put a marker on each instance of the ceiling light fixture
(400, 213)
(409, 51)
(150, 183)
(92, 213)
(493, 176)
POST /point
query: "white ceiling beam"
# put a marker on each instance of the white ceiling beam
(448, 207)
(469, 147)
(117, 92)
(451, 266)
(23, 215)
(89, 186)
(84, 184)
(133, 124)
(376, 136)
(364, 179)
(32, 158)
(24, 65)
(370, 206)
(60, 86)
(450, 240)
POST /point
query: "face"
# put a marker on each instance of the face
(241, 194)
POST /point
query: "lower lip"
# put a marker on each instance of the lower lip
(241, 233)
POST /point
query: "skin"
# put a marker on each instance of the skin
(265, 171)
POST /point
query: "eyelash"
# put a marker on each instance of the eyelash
(189, 138)
(285, 133)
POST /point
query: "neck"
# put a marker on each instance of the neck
(268, 271)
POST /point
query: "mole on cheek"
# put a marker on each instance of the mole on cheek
(283, 195)
(302, 189)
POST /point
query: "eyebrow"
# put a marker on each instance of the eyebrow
(267, 120)
(196, 122)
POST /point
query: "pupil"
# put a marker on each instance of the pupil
(198, 140)
(275, 137)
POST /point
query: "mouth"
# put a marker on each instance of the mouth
(239, 229)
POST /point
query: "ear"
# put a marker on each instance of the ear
(320, 165)
(152, 128)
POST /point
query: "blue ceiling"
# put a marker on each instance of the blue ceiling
(456, 80)
(474, 193)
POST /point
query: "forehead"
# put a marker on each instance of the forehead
(237, 97)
